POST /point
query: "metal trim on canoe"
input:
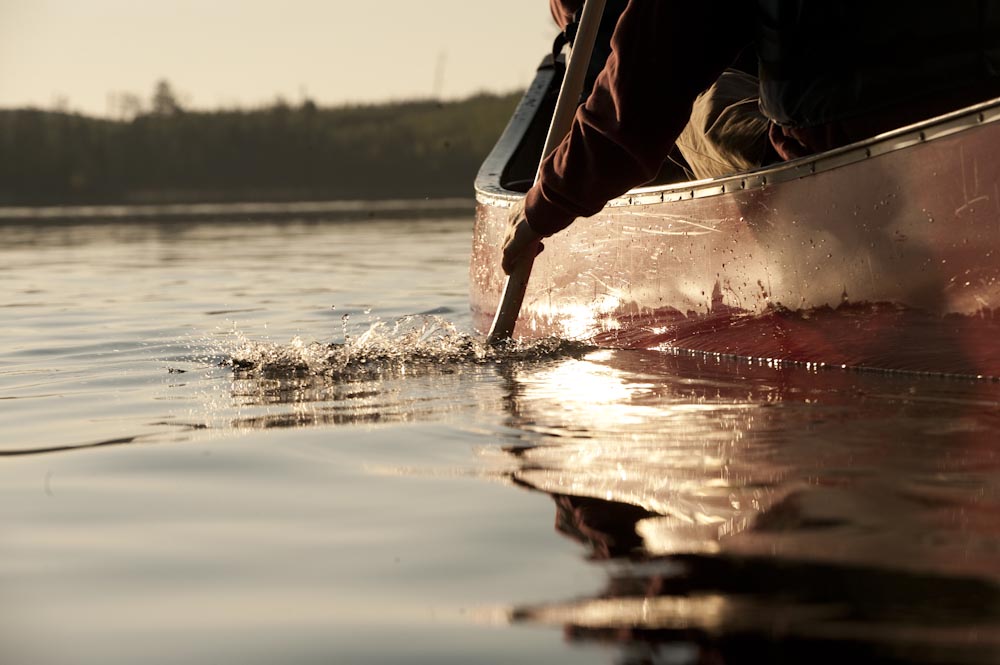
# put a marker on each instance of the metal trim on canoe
(490, 191)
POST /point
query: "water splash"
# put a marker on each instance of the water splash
(389, 347)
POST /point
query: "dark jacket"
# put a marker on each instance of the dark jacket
(822, 62)
(831, 73)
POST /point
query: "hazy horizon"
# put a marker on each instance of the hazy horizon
(84, 57)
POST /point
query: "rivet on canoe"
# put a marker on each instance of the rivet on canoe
(923, 136)
(868, 152)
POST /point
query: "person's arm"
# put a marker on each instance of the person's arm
(663, 55)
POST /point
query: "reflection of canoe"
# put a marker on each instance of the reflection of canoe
(884, 254)
(752, 610)
(760, 514)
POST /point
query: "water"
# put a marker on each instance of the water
(279, 442)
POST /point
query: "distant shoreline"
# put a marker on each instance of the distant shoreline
(238, 212)
(403, 151)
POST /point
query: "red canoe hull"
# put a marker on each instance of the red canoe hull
(885, 254)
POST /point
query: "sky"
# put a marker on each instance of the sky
(80, 54)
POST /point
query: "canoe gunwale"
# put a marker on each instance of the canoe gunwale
(489, 190)
(488, 179)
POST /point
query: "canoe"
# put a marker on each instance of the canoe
(883, 254)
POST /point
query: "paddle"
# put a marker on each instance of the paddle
(562, 119)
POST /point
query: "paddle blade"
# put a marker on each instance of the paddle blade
(513, 295)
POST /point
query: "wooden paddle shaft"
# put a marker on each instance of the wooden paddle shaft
(562, 119)
(576, 72)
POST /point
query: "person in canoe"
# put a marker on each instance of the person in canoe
(828, 74)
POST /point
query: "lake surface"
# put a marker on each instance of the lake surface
(280, 443)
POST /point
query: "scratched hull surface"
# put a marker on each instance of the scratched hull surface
(883, 254)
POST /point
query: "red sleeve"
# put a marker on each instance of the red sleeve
(663, 54)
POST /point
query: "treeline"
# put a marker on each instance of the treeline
(281, 153)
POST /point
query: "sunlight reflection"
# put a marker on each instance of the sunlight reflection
(612, 434)
(595, 394)
(580, 321)
(703, 612)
